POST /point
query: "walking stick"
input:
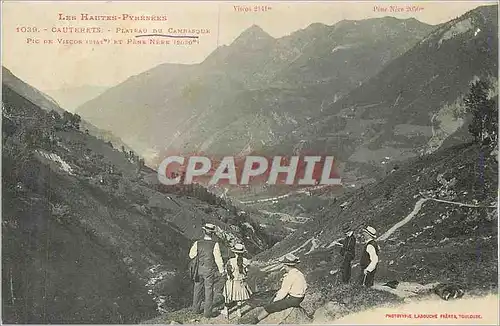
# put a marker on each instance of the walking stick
(226, 299)
(364, 279)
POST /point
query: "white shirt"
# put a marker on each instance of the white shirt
(294, 284)
(217, 255)
(370, 249)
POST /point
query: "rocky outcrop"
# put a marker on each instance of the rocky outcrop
(289, 316)
(330, 311)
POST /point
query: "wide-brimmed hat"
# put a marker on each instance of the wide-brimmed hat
(238, 248)
(346, 228)
(290, 260)
(370, 231)
(208, 227)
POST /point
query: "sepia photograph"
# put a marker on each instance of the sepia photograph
(216, 162)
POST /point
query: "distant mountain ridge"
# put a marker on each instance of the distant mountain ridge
(370, 92)
(47, 103)
(72, 97)
(241, 91)
(392, 116)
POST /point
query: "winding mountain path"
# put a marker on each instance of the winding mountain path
(414, 288)
(416, 209)
(405, 220)
(275, 265)
(303, 191)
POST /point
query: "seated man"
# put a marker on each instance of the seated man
(292, 290)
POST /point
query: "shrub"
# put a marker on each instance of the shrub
(484, 111)
(71, 121)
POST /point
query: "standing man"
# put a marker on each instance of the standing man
(292, 291)
(369, 257)
(207, 251)
(348, 251)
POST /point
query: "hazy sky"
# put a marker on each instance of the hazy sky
(53, 66)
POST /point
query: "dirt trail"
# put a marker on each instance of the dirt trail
(274, 265)
(303, 191)
(416, 209)
(466, 311)
(405, 220)
(286, 217)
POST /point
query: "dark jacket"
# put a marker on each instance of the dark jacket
(365, 256)
(349, 247)
(206, 254)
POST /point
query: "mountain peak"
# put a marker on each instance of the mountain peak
(252, 34)
(255, 29)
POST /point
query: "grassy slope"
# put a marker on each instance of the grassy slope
(44, 101)
(76, 250)
(47, 103)
(442, 243)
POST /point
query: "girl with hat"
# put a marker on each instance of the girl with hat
(236, 288)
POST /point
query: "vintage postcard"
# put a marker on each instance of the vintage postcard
(242, 162)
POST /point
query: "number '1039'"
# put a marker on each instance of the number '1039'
(25, 29)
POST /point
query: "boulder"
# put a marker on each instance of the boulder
(288, 316)
(329, 312)
(404, 289)
(250, 317)
(313, 300)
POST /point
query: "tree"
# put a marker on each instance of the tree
(34, 137)
(75, 121)
(140, 165)
(66, 119)
(55, 115)
(71, 121)
(8, 127)
(484, 111)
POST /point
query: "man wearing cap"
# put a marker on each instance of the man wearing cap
(207, 251)
(369, 257)
(292, 290)
(348, 252)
